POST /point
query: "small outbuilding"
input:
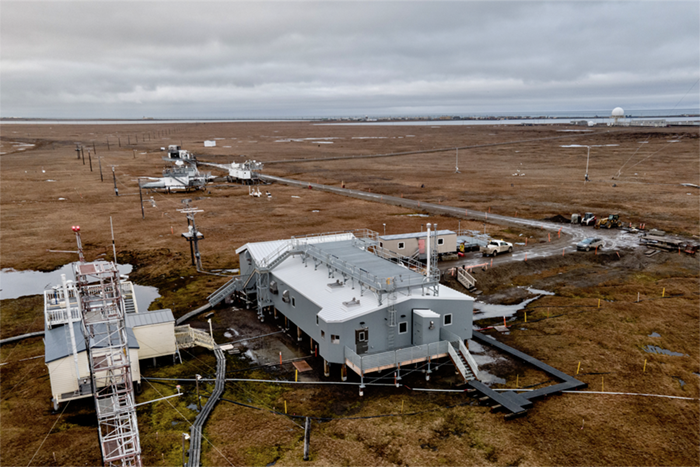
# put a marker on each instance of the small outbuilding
(413, 244)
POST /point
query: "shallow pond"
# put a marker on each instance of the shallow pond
(15, 284)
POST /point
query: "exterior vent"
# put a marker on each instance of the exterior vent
(285, 296)
(351, 303)
(273, 287)
(336, 285)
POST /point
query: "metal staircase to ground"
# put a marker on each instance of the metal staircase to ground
(463, 361)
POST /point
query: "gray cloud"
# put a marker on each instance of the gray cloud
(237, 59)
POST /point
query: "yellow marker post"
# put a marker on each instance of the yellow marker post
(285, 406)
(579, 367)
(517, 381)
(296, 376)
(598, 303)
(663, 292)
(526, 316)
(645, 366)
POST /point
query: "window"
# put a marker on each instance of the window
(402, 245)
(316, 320)
(447, 319)
(362, 336)
(323, 334)
(441, 241)
(381, 244)
(335, 338)
(403, 327)
(294, 302)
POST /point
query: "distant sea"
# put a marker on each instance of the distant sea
(563, 116)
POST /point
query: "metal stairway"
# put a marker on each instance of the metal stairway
(460, 358)
(461, 364)
(234, 285)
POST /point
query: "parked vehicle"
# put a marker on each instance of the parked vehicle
(495, 247)
(588, 244)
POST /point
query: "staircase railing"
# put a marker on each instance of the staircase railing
(469, 358)
(466, 279)
(457, 361)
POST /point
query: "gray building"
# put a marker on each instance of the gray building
(360, 305)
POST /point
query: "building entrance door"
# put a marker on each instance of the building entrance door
(361, 340)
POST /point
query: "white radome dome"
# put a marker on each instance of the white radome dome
(618, 112)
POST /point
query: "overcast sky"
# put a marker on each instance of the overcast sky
(285, 59)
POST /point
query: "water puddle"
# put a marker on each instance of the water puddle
(482, 358)
(488, 310)
(192, 406)
(15, 284)
(654, 334)
(658, 350)
(680, 381)
(538, 291)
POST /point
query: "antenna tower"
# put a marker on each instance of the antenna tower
(104, 327)
(192, 235)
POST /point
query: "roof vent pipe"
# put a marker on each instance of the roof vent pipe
(428, 252)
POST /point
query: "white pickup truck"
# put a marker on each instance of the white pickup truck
(495, 247)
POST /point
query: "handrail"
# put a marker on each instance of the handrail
(470, 359)
(457, 361)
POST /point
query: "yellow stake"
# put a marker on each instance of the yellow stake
(645, 366)
(579, 367)
(663, 292)
(285, 406)
(517, 381)
(598, 303)
(296, 375)
(526, 316)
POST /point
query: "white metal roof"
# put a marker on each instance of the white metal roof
(261, 250)
(414, 235)
(134, 320)
(313, 284)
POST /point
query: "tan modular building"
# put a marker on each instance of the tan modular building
(59, 359)
(413, 244)
(150, 334)
(154, 331)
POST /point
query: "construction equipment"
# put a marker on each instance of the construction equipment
(576, 218)
(589, 219)
(613, 220)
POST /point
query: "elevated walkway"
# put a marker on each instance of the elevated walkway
(195, 451)
(187, 337)
(517, 404)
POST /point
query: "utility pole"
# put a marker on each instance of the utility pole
(99, 161)
(82, 151)
(143, 216)
(90, 159)
(114, 177)
(77, 149)
(457, 160)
